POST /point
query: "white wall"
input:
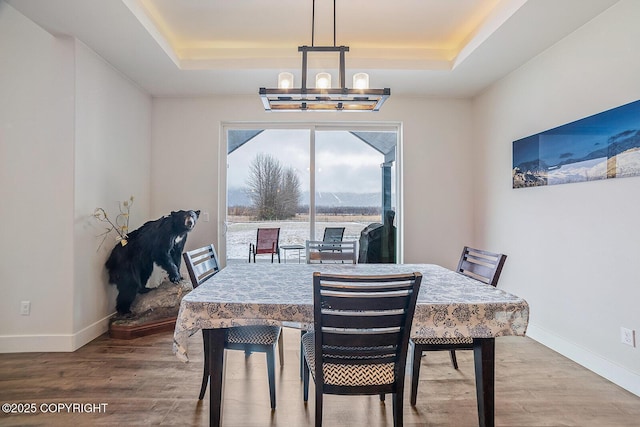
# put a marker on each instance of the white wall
(112, 162)
(572, 248)
(74, 135)
(437, 195)
(36, 184)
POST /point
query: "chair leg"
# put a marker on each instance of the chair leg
(397, 409)
(454, 361)
(318, 405)
(203, 387)
(302, 362)
(305, 379)
(281, 349)
(271, 373)
(415, 372)
(205, 373)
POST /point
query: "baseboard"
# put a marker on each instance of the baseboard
(618, 375)
(54, 342)
(91, 332)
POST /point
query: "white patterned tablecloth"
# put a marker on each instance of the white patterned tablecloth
(449, 304)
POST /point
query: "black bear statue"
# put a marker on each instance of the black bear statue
(156, 245)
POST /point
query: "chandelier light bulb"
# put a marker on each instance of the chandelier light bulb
(323, 81)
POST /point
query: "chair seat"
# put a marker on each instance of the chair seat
(442, 341)
(259, 334)
(348, 375)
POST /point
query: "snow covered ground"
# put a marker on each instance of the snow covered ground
(240, 234)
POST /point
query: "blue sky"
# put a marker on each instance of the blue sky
(579, 138)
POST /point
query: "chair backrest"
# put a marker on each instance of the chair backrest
(333, 234)
(267, 240)
(362, 326)
(481, 265)
(201, 264)
(336, 252)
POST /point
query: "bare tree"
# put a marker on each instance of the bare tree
(274, 191)
(290, 193)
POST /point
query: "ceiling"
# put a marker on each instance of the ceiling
(448, 48)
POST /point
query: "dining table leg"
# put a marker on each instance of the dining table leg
(484, 350)
(216, 338)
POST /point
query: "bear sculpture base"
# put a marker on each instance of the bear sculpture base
(153, 312)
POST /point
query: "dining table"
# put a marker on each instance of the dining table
(449, 305)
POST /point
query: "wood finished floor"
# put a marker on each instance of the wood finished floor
(143, 383)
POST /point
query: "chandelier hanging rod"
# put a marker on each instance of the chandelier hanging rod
(313, 23)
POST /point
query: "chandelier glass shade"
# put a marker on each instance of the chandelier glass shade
(285, 80)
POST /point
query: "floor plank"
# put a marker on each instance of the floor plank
(143, 383)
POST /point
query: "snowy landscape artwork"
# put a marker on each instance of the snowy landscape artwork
(602, 146)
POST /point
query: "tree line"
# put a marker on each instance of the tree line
(321, 210)
(274, 192)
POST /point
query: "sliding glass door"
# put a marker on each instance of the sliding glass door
(349, 188)
(303, 179)
(267, 187)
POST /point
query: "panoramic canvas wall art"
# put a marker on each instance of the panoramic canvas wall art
(605, 145)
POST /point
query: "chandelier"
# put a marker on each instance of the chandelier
(323, 97)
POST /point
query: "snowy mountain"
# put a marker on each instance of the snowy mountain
(237, 197)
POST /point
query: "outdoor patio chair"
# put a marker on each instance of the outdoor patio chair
(360, 338)
(333, 234)
(334, 252)
(475, 263)
(202, 264)
(267, 242)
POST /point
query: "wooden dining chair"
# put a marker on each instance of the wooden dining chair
(267, 242)
(202, 264)
(360, 338)
(480, 265)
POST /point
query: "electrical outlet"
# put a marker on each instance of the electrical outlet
(25, 308)
(628, 336)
